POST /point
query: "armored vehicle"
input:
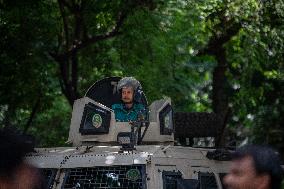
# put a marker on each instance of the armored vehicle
(121, 155)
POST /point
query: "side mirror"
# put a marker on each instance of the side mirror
(166, 120)
(95, 120)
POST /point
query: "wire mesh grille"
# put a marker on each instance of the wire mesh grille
(207, 181)
(170, 179)
(114, 177)
(49, 176)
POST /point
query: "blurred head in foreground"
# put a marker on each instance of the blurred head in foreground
(255, 167)
(14, 171)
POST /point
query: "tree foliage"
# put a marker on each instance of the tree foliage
(216, 55)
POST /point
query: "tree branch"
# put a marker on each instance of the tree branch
(79, 39)
(66, 3)
(90, 40)
(216, 43)
(65, 23)
(34, 110)
(74, 74)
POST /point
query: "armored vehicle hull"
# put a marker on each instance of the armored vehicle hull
(149, 166)
(107, 153)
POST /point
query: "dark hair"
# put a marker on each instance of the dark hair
(266, 161)
(13, 147)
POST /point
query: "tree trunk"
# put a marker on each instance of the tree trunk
(223, 32)
(32, 116)
(219, 93)
(68, 81)
(75, 37)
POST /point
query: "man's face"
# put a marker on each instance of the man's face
(242, 175)
(127, 95)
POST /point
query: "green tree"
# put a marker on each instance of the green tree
(222, 56)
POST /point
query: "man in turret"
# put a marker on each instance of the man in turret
(130, 109)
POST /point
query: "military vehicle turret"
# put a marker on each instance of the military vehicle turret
(141, 155)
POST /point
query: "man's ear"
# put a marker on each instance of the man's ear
(263, 181)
